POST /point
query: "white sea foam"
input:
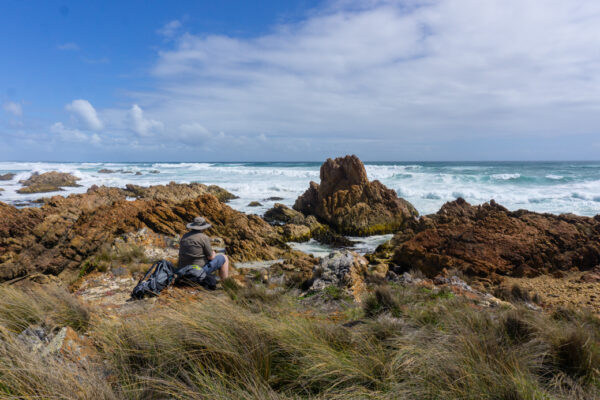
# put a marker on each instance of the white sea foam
(555, 188)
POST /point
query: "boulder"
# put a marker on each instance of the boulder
(350, 204)
(296, 233)
(345, 269)
(254, 204)
(6, 177)
(489, 241)
(281, 214)
(47, 182)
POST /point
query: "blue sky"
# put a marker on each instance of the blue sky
(299, 80)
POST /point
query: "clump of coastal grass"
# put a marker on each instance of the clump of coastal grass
(130, 256)
(20, 308)
(261, 343)
(26, 374)
(516, 294)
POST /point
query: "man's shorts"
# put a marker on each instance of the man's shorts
(214, 264)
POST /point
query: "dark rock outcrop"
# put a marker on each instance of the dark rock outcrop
(290, 219)
(350, 204)
(6, 177)
(48, 182)
(488, 241)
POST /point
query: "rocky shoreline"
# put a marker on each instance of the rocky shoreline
(66, 236)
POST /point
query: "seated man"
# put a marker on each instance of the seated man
(195, 249)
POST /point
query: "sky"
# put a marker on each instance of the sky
(299, 80)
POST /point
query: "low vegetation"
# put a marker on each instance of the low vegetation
(262, 343)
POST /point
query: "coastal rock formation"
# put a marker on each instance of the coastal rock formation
(6, 177)
(47, 182)
(64, 232)
(281, 214)
(176, 192)
(488, 241)
(350, 204)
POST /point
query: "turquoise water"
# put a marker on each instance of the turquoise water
(555, 187)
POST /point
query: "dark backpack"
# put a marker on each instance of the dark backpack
(194, 274)
(158, 277)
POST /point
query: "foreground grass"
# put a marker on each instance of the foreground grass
(260, 344)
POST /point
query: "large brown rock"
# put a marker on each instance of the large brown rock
(65, 231)
(488, 241)
(47, 182)
(349, 203)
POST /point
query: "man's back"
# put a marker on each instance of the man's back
(194, 249)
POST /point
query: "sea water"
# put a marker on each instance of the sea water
(554, 187)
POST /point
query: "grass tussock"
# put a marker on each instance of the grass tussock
(261, 343)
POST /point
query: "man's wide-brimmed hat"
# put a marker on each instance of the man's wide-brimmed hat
(199, 224)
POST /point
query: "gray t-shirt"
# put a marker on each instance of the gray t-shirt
(194, 249)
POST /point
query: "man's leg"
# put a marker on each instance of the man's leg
(224, 271)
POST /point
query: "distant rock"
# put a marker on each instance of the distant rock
(6, 177)
(47, 182)
(154, 171)
(350, 204)
(254, 204)
(274, 198)
(106, 171)
(177, 191)
(138, 173)
(488, 241)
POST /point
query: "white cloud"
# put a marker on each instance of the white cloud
(69, 46)
(68, 134)
(170, 29)
(85, 113)
(141, 125)
(394, 72)
(13, 108)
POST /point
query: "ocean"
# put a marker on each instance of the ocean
(554, 187)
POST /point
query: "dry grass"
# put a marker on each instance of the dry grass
(264, 344)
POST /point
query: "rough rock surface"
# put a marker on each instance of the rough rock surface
(488, 241)
(64, 232)
(176, 192)
(47, 182)
(344, 269)
(291, 219)
(6, 177)
(350, 204)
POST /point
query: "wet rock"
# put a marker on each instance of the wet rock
(488, 241)
(281, 214)
(274, 198)
(106, 171)
(296, 233)
(154, 171)
(138, 173)
(254, 204)
(350, 204)
(47, 182)
(6, 177)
